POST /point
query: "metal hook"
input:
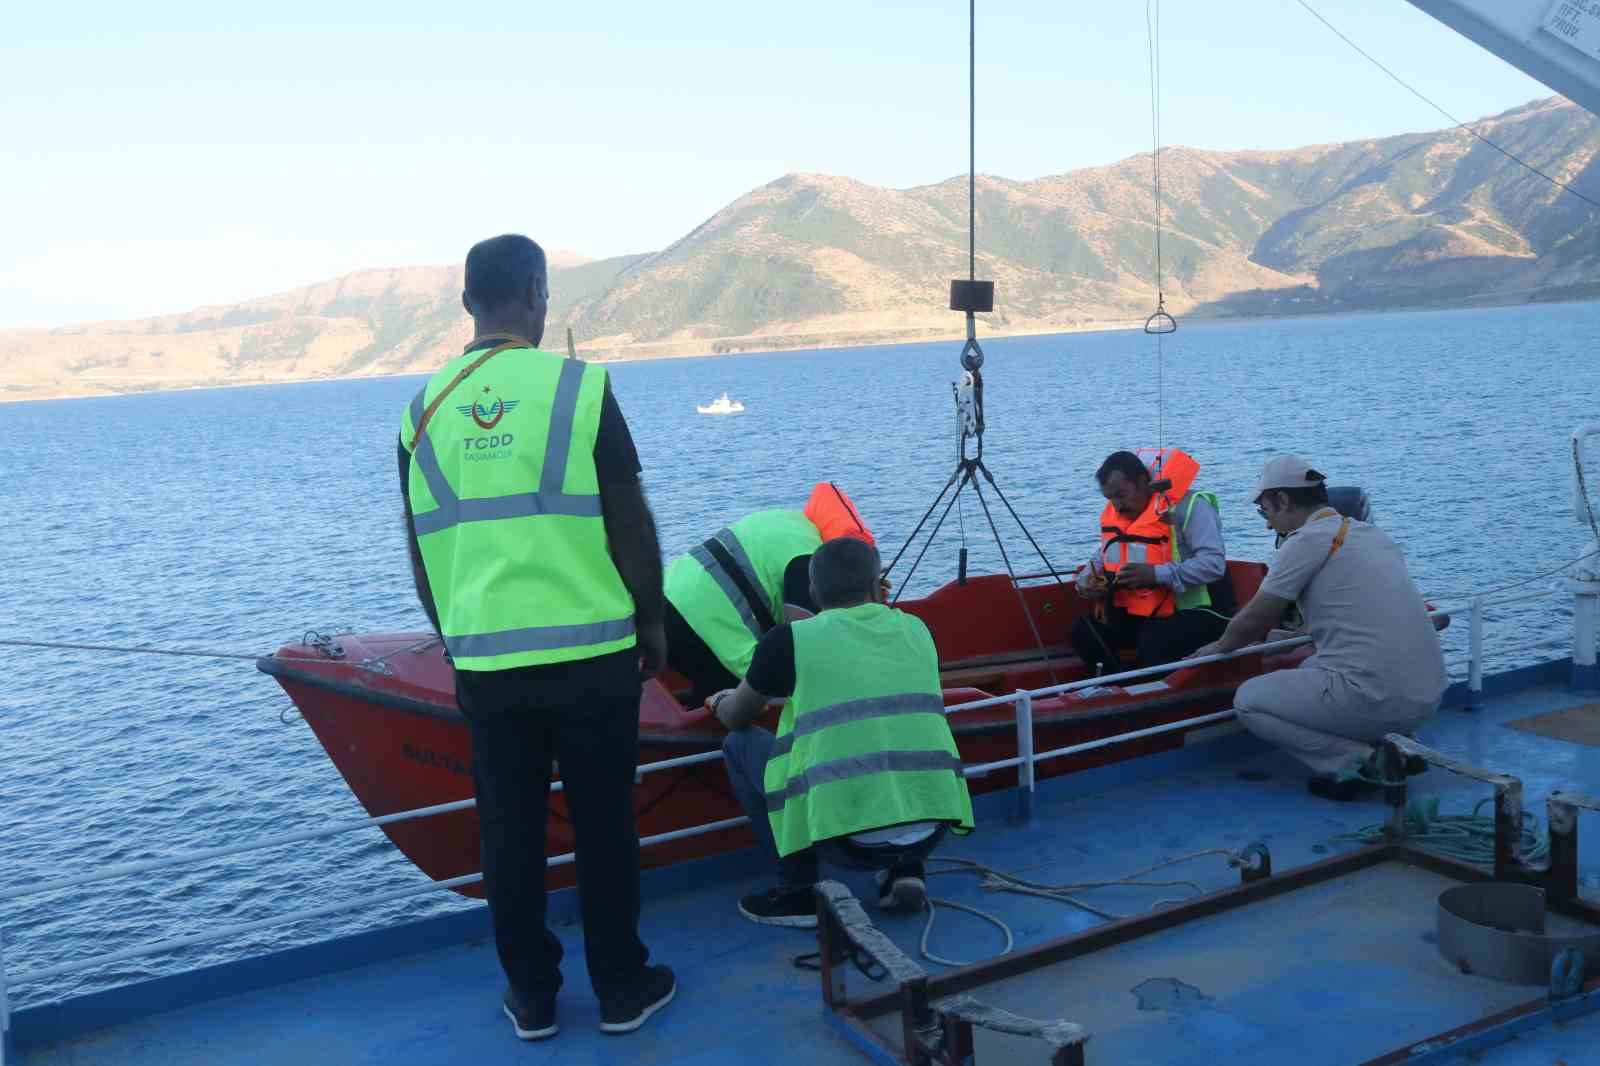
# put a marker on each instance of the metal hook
(1161, 322)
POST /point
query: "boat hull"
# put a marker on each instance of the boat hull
(383, 708)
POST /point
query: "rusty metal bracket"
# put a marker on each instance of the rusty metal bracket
(1561, 880)
(932, 1032)
(1508, 862)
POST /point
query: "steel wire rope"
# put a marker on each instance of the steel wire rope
(1557, 182)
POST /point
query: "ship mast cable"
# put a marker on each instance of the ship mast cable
(1161, 322)
(973, 297)
(972, 144)
(1557, 182)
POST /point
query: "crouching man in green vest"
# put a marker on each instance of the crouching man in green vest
(863, 770)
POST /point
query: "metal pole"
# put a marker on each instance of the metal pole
(5, 1005)
(225, 932)
(1025, 753)
(1475, 656)
(190, 858)
(1137, 734)
(1585, 579)
(1585, 629)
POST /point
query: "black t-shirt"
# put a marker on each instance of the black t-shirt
(771, 670)
(797, 583)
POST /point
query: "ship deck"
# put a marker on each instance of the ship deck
(1344, 975)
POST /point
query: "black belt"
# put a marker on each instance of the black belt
(758, 603)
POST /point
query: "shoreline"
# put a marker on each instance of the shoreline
(765, 345)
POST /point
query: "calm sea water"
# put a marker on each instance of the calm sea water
(236, 519)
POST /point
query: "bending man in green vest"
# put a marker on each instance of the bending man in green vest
(535, 557)
(863, 770)
(724, 595)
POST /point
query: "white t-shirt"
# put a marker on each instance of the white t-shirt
(1362, 609)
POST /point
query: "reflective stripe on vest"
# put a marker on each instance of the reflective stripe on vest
(725, 581)
(857, 711)
(864, 742)
(853, 766)
(538, 638)
(519, 577)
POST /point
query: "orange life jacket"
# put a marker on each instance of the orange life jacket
(1150, 537)
(834, 515)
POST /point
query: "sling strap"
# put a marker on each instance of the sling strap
(466, 371)
(758, 602)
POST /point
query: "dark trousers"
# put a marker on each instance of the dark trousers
(1157, 640)
(689, 655)
(585, 715)
(747, 751)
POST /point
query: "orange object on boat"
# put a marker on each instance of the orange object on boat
(834, 515)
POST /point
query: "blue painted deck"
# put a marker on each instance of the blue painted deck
(740, 999)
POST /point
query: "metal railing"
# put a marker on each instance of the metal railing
(1476, 607)
(1025, 761)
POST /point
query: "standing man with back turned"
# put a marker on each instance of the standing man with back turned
(535, 557)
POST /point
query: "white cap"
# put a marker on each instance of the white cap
(1287, 472)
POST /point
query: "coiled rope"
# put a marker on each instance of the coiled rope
(1468, 837)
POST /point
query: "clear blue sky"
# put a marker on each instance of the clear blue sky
(161, 156)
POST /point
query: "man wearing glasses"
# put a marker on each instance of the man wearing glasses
(1378, 666)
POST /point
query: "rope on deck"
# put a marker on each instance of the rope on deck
(1000, 881)
(1468, 837)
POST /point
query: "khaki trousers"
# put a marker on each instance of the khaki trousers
(1316, 716)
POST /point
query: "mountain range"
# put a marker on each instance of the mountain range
(812, 260)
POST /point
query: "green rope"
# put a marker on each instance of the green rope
(1468, 837)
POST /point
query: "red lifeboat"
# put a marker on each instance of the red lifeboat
(383, 707)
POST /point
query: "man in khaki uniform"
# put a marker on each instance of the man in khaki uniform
(1378, 666)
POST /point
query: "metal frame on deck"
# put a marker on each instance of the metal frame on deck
(936, 1012)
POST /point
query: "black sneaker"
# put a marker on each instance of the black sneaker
(531, 1023)
(1330, 786)
(794, 908)
(902, 889)
(654, 990)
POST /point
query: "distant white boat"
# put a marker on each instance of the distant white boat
(720, 406)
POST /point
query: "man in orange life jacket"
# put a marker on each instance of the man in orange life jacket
(1160, 580)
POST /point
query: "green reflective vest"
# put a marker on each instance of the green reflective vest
(863, 743)
(505, 502)
(1195, 595)
(760, 546)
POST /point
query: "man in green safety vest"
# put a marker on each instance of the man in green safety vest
(863, 770)
(727, 593)
(535, 557)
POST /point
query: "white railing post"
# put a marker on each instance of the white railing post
(1585, 628)
(5, 1005)
(1025, 753)
(1475, 656)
